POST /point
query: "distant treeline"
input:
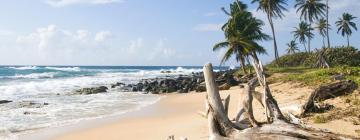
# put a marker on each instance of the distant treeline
(335, 56)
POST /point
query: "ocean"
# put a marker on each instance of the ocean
(42, 96)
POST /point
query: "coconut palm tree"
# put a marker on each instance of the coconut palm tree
(273, 9)
(310, 10)
(345, 24)
(302, 32)
(322, 27)
(242, 31)
(327, 22)
(292, 47)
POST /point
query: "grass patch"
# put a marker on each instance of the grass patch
(320, 119)
(314, 77)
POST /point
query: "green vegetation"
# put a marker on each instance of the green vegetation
(320, 119)
(345, 24)
(314, 77)
(273, 9)
(242, 32)
(310, 11)
(337, 56)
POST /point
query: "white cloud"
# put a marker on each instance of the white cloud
(208, 27)
(103, 35)
(52, 36)
(62, 3)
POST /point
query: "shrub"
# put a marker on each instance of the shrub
(337, 56)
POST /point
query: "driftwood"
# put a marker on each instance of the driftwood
(327, 92)
(221, 128)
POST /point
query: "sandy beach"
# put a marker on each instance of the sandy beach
(177, 114)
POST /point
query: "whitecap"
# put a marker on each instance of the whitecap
(34, 75)
(76, 69)
(25, 68)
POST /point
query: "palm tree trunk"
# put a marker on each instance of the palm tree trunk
(242, 65)
(323, 41)
(327, 23)
(309, 39)
(248, 61)
(348, 40)
(305, 47)
(274, 39)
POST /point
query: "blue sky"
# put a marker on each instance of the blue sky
(132, 32)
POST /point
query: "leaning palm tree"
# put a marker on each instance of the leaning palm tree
(322, 27)
(310, 10)
(302, 32)
(292, 47)
(345, 24)
(241, 32)
(273, 9)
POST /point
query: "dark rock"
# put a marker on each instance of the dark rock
(4, 101)
(225, 86)
(200, 88)
(117, 85)
(94, 90)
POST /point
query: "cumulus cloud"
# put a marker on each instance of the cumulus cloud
(208, 27)
(53, 36)
(103, 35)
(61, 3)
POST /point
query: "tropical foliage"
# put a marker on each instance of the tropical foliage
(302, 32)
(336, 56)
(345, 24)
(242, 31)
(322, 27)
(310, 10)
(292, 47)
(273, 9)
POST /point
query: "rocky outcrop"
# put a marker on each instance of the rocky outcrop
(179, 84)
(94, 90)
(183, 83)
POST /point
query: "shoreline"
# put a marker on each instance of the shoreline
(53, 132)
(178, 115)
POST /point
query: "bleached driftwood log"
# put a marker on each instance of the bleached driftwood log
(221, 128)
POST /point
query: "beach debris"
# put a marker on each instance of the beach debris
(327, 92)
(94, 90)
(277, 127)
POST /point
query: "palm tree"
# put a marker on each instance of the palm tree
(327, 22)
(273, 9)
(292, 47)
(242, 31)
(322, 27)
(310, 10)
(345, 24)
(302, 32)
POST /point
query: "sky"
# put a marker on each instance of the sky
(135, 32)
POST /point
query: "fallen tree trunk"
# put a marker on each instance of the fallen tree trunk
(327, 92)
(221, 128)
